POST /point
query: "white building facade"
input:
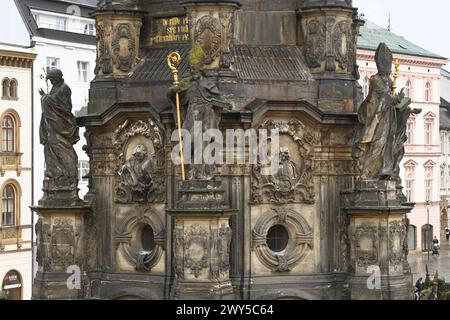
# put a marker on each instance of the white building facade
(420, 76)
(16, 189)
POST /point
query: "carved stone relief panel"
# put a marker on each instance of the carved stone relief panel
(365, 240)
(343, 45)
(293, 183)
(196, 249)
(123, 47)
(315, 46)
(208, 34)
(397, 232)
(139, 148)
(140, 250)
(63, 244)
(299, 244)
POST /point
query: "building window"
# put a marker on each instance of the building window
(429, 181)
(277, 238)
(429, 126)
(8, 134)
(8, 206)
(409, 181)
(83, 170)
(427, 92)
(89, 29)
(366, 87)
(5, 88)
(408, 89)
(52, 63)
(83, 71)
(410, 131)
(442, 144)
(443, 176)
(61, 24)
(13, 89)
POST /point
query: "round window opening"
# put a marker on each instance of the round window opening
(147, 238)
(277, 238)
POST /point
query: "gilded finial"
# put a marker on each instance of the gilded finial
(396, 73)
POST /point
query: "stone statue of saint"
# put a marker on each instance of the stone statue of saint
(202, 102)
(375, 149)
(136, 180)
(59, 132)
(287, 175)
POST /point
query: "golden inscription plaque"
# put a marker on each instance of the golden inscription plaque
(170, 29)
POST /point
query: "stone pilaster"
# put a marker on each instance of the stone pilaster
(328, 30)
(201, 243)
(60, 252)
(377, 234)
(211, 24)
(118, 34)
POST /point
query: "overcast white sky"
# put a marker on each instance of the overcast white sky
(425, 23)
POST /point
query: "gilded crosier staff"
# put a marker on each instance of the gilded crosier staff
(172, 60)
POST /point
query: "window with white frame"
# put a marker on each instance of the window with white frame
(427, 92)
(89, 29)
(61, 24)
(429, 181)
(52, 63)
(410, 168)
(83, 170)
(410, 130)
(408, 89)
(366, 86)
(443, 176)
(429, 126)
(442, 144)
(83, 71)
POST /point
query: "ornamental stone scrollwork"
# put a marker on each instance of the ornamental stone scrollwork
(293, 183)
(315, 46)
(139, 148)
(208, 34)
(123, 47)
(221, 240)
(63, 243)
(365, 240)
(103, 64)
(397, 232)
(128, 238)
(343, 45)
(196, 249)
(300, 239)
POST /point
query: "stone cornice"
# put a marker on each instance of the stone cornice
(16, 59)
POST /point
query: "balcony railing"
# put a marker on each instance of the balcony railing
(14, 235)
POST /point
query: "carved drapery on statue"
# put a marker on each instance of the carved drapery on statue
(201, 102)
(294, 180)
(139, 147)
(379, 139)
(58, 133)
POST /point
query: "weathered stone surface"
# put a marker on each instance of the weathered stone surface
(272, 64)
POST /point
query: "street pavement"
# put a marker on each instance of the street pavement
(418, 261)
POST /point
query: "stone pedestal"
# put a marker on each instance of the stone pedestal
(59, 252)
(201, 243)
(377, 233)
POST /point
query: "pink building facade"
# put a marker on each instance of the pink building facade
(420, 77)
